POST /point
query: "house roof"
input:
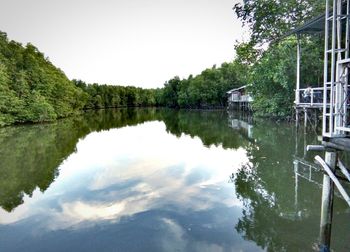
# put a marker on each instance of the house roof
(312, 26)
(236, 89)
(315, 25)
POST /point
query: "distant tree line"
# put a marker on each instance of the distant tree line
(108, 96)
(206, 90)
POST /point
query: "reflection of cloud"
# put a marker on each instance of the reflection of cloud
(166, 170)
(176, 241)
(85, 211)
(79, 211)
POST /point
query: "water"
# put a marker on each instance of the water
(161, 180)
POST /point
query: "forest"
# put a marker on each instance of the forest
(32, 89)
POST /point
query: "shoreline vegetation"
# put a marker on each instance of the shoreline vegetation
(33, 90)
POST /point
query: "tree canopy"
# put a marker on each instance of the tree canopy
(31, 87)
(268, 20)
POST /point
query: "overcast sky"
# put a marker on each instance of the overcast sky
(131, 42)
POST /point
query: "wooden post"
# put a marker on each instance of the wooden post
(327, 204)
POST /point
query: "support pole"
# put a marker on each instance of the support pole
(325, 72)
(297, 95)
(327, 204)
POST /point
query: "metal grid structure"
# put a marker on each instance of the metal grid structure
(336, 64)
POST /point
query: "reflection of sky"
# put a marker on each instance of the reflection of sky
(131, 183)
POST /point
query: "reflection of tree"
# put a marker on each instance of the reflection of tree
(210, 126)
(271, 216)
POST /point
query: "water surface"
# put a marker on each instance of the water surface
(161, 180)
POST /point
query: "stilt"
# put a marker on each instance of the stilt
(305, 117)
(296, 170)
(296, 141)
(327, 204)
(305, 142)
(297, 118)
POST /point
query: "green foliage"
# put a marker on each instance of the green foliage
(273, 81)
(273, 76)
(39, 110)
(171, 90)
(96, 96)
(31, 88)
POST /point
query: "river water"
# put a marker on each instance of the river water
(162, 180)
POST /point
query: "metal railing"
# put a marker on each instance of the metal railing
(309, 96)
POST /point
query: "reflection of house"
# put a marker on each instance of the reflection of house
(244, 124)
(307, 170)
(239, 98)
(310, 172)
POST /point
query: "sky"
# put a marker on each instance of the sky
(132, 42)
